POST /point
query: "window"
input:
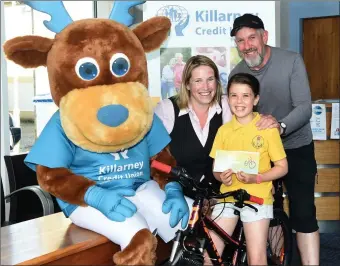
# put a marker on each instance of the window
(29, 100)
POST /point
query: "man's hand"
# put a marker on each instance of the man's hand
(246, 178)
(267, 121)
(226, 177)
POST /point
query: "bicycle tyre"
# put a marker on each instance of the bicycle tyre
(281, 219)
(181, 262)
(184, 260)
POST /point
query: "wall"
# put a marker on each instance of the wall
(288, 25)
(298, 10)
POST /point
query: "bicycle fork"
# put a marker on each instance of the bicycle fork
(177, 250)
(175, 245)
(238, 249)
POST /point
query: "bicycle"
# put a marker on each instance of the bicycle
(189, 245)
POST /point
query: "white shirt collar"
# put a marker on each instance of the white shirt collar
(214, 108)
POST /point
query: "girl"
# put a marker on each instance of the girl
(241, 134)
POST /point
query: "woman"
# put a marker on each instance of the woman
(193, 117)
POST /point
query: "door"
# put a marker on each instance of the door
(321, 55)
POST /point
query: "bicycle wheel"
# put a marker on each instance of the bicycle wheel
(186, 259)
(279, 243)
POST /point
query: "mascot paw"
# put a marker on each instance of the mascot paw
(140, 251)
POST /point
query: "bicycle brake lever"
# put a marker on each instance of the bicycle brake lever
(250, 206)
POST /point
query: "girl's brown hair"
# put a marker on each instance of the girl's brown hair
(245, 78)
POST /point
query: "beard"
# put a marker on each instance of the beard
(253, 62)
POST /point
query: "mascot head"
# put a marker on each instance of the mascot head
(97, 72)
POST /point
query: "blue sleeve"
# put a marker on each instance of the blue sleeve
(52, 148)
(157, 138)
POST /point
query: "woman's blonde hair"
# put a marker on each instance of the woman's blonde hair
(183, 96)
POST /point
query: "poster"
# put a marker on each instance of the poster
(201, 27)
(335, 130)
(318, 122)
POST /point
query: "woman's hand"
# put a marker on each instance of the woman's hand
(226, 177)
(246, 178)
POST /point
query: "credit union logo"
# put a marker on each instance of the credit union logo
(178, 15)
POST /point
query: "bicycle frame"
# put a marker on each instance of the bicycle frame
(199, 229)
(236, 244)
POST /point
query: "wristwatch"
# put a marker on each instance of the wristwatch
(284, 127)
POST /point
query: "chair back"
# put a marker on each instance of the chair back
(2, 205)
(25, 205)
(19, 174)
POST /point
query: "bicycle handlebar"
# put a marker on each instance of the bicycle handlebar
(161, 166)
(255, 199)
(184, 177)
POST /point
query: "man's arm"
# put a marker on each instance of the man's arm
(301, 98)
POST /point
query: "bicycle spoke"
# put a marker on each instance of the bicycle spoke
(276, 240)
(279, 240)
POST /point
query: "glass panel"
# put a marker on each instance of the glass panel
(27, 88)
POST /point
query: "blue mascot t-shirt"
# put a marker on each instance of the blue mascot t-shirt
(127, 168)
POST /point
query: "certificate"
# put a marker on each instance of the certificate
(318, 122)
(335, 130)
(247, 162)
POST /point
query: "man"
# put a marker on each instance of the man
(167, 81)
(178, 70)
(285, 94)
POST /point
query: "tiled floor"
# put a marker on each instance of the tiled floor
(329, 250)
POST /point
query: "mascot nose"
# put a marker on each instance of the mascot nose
(113, 115)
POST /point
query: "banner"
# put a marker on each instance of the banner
(199, 27)
(335, 130)
(318, 122)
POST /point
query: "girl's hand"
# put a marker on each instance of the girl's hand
(226, 177)
(246, 178)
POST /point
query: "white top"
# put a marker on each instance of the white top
(168, 74)
(165, 111)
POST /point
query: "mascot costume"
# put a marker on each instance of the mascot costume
(94, 154)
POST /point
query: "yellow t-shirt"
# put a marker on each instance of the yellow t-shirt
(234, 136)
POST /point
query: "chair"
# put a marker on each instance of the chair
(25, 205)
(2, 205)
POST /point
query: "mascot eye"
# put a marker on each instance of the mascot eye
(119, 65)
(87, 68)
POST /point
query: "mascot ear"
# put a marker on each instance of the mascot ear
(28, 51)
(153, 32)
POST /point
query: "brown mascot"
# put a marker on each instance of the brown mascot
(94, 154)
